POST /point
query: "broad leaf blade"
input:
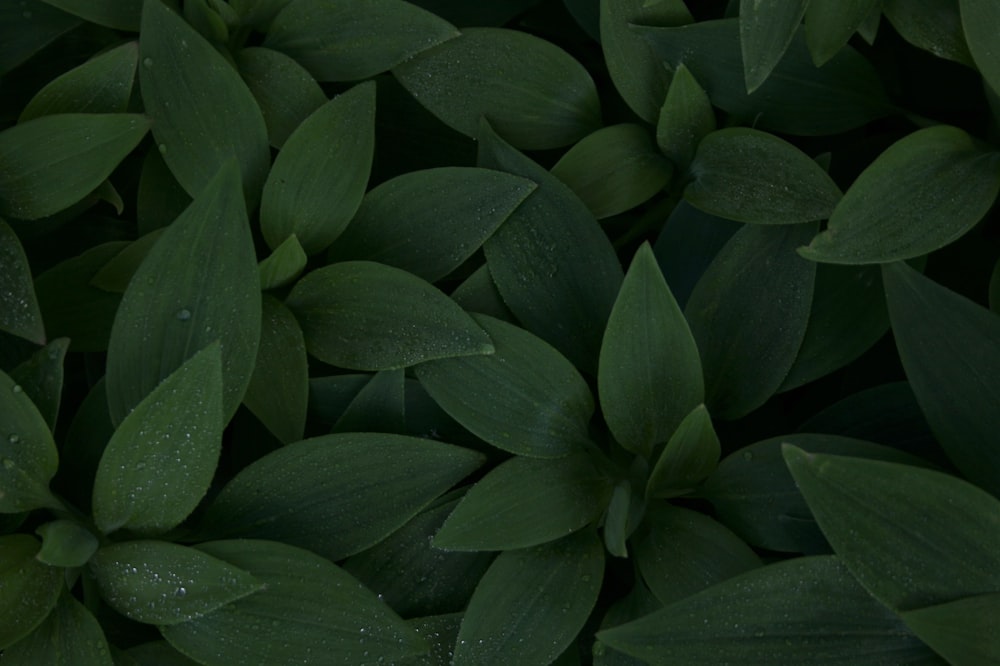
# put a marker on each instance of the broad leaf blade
(28, 457)
(28, 589)
(19, 312)
(69, 636)
(766, 30)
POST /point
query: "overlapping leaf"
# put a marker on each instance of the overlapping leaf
(69, 636)
(28, 589)
(766, 30)
(28, 457)
(19, 312)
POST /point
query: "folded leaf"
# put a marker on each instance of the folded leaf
(19, 312)
(766, 30)
(28, 457)
(28, 589)
(65, 543)
(284, 265)
(69, 636)
(691, 454)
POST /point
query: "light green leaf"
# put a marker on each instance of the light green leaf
(118, 14)
(115, 275)
(50, 163)
(28, 457)
(197, 285)
(19, 312)
(749, 313)
(28, 589)
(320, 175)
(526, 502)
(978, 19)
(751, 176)
(429, 222)
(525, 397)
(349, 41)
(962, 631)
(932, 25)
(614, 169)
(100, 85)
(165, 583)
(311, 493)
(69, 636)
(283, 266)
(831, 23)
(534, 94)
(362, 315)
(531, 603)
(161, 459)
(685, 118)
(309, 610)
(27, 29)
(650, 373)
(925, 191)
(197, 138)
(766, 30)
(950, 349)
(278, 393)
(65, 543)
(913, 537)
(691, 454)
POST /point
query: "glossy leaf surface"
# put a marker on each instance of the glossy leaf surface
(932, 25)
(28, 588)
(766, 30)
(28, 457)
(69, 636)
(41, 379)
(19, 312)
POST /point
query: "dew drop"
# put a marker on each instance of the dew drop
(147, 62)
(9, 464)
(162, 148)
(748, 455)
(17, 388)
(180, 592)
(14, 438)
(184, 314)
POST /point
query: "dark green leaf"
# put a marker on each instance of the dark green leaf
(312, 493)
(691, 454)
(979, 17)
(27, 29)
(367, 316)
(116, 274)
(913, 537)
(278, 393)
(378, 407)
(766, 30)
(963, 631)
(554, 266)
(480, 294)
(807, 610)
(950, 349)
(922, 193)
(100, 85)
(50, 163)
(203, 113)
(831, 23)
(310, 611)
(164, 583)
(531, 603)
(160, 199)
(118, 14)
(69, 636)
(258, 14)
(533, 93)
(932, 25)
(65, 543)
(285, 92)
(429, 222)
(650, 373)
(28, 457)
(526, 502)
(354, 40)
(197, 285)
(525, 398)
(681, 552)
(685, 118)
(28, 589)
(750, 176)
(152, 653)
(617, 526)
(19, 312)
(320, 175)
(330, 396)
(84, 443)
(441, 631)
(161, 459)
(463, 13)
(749, 313)
(283, 266)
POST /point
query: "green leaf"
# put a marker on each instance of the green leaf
(962, 631)
(320, 175)
(525, 398)
(69, 636)
(685, 118)
(197, 285)
(749, 313)
(311, 493)
(161, 459)
(478, 293)
(552, 263)
(285, 92)
(118, 14)
(796, 99)
(100, 85)
(330, 396)
(27, 29)
(441, 631)
(534, 94)
(531, 603)
(682, 552)
(198, 139)
(636, 71)
(28, 457)
(950, 349)
(526, 502)
(691, 454)
(309, 610)
(750, 176)
(932, 25)
(614, 169)
(429, 222)
(978, 17)
(807, 610)
(650, 373)
(362, 315)
(378, 407)
(116, 274)
(28, 589)
(766, 31)
(65, 543)
(831, 23)
(50, 163)
(84, 444)
(164, 583)
(924, 192)
(354, 40)
(617, 526)
(19, 312)
(160, 199)
(278, 393)
(913, 537)
(283, 266)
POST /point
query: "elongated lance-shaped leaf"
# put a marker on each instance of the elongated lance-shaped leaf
(978, 17)
(50, 163)
(932, 25)
(28, 589)
(161, 459)
(41, 379)
(197, 285)
(69, 636)
(115, 275)
(766, 30)
(19, 312)
(117, 14)
(831, 23)
(28, 457)
(203, 113)
(950, 349)
(650, 373)
(685, 118)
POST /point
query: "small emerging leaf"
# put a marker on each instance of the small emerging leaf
(65, 543)
(284, 265)
(690, 455)
(686, 118)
